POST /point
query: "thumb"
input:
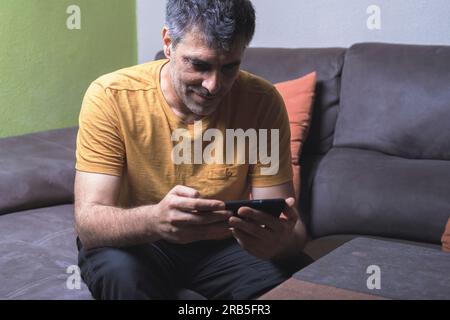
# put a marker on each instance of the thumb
(290, 202)
(290, 212)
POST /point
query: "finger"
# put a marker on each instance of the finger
(222, 212)
(289, 211)
(216, 230)
(246, 241)
(185, 219)
(184, 191)
(259, 217)
(238, 239)
(191, 204)
(251, 228)
(290, 202)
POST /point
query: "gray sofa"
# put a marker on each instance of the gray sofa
(37, 236)
(376, 163)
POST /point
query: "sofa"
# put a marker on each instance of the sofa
(376, 163)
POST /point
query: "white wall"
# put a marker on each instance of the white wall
(321, 23)
(150, 21)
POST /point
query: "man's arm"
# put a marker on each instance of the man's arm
(181, 217)
(265, 236)
(98, 220)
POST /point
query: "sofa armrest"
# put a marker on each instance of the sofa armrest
(37, 170)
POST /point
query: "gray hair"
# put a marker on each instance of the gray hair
(222, 23)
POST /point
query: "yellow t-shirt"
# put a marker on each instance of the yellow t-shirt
(126, 127)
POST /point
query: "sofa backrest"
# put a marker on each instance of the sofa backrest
(37, 170)
(388, 171)
(395, 99)
(281, 64)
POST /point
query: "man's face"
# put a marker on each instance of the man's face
(202, 76)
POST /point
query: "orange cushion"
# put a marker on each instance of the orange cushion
(298, 96)
(446, 237)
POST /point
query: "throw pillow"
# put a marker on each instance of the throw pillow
(298, 97)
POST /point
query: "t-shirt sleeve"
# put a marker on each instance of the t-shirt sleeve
(276, 167)
(100, 147)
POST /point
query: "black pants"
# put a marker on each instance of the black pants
(214, 269)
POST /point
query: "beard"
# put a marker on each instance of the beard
(205, 104)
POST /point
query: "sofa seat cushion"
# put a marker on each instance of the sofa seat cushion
(380, 267)
(320, 247)
(367, 192)
(36, 248)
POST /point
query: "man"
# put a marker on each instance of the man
(148, 227)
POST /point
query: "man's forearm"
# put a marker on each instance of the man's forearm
(101, 226)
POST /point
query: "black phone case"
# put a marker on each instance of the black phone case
(273, 207)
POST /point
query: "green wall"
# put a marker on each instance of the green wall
(46, 68)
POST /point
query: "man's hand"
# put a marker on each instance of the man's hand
(263, 235)
(183, 217)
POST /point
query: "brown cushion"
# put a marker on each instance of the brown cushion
(298, 96)
(446, 237)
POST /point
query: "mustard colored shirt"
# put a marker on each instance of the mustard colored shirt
(126, 126)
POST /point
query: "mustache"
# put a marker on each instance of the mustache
(203, 92)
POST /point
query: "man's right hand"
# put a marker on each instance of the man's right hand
(183, 217)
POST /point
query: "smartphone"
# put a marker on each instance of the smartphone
(273, 207)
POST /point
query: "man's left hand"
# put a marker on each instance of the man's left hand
(262, 235)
